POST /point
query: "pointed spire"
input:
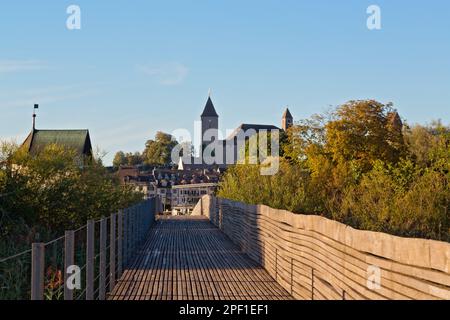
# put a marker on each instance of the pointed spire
(287, 120)
(209, 110)
(287, 114)
(394, 120)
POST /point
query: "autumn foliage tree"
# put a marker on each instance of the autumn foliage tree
(50, 192)
(158, 151)
(358, 164)
(362, 132)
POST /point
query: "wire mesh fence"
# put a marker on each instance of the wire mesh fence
(83, 264)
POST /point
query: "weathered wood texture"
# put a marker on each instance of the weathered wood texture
(316, 258)
(187, 258)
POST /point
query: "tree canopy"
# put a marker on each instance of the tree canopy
(127, 159)
(158, 151)
(361, 165)
(50, 192)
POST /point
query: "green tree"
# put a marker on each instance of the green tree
(119, 160)
(429, 145)
(158, 151)
(363, 132)
(50, 192)
(133, 159)
(359, 165)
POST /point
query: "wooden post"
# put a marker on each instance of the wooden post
(143, 228)
(134, 227)
(102, 271)
(140, 224)
(142, 221)
(125, 237)
(90, 256)
(312, 283)
(119, 243)
(220, 215)
(69, 260)
(112, 254)
(212, 218)
(130, 233)
(37, 271)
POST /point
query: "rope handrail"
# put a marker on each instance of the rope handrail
(15, 256)
(100, 250)
(54, 241)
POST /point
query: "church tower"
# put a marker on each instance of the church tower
(210, 123)
(287, 120)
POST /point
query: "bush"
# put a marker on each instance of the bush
(50, 193)
(288, 189)
(358, 167)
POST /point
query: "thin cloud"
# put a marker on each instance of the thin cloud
(11, 66)
(121, 135)
(168, 74)
(46, 95)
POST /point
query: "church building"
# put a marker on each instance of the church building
(78, 141)
(210, 137)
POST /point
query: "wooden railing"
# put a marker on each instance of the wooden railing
(316, 258)
(85, 264)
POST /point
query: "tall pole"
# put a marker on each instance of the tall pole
(36, 106)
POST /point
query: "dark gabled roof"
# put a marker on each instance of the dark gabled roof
(209, 110)
(287, 114)
(257, 127)
(78, 140)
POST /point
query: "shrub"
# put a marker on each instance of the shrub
(359, 167)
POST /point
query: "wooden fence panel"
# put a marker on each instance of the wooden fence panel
(317, 258)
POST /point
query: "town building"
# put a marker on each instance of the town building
(180, 189)
(78, 141)
(160, 182)
(185, 197)
(230, 147)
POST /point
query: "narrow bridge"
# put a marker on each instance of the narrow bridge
(187, 258)
(226, 250)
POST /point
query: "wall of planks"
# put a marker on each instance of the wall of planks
(316, 258)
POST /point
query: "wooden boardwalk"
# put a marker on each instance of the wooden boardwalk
(189, 259)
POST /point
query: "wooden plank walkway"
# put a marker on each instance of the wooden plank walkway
(187, 258)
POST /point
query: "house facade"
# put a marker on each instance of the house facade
(185, 197)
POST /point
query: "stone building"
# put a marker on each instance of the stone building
(230, 147)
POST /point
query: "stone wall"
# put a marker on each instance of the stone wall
(316, 258)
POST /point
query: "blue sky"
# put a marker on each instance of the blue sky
(137, 67)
